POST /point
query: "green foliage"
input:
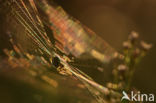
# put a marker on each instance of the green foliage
(124, 67)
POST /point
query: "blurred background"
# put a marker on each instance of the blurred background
(113, 20)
